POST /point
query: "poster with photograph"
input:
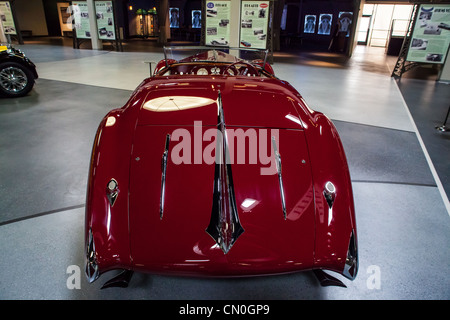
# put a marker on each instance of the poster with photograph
(7, 18)
(254, 24)
(431, 35)
(325, 20)
(81, 19)
(105, 20)
(196, 19)
(174, 14)
(345, 22)
(310, 24)
(217, 23)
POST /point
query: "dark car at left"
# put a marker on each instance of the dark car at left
(17, 73)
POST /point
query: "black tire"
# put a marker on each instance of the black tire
(16, 80)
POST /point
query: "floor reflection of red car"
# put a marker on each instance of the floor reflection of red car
(215, 167)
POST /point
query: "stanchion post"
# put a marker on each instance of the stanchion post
(443, 127)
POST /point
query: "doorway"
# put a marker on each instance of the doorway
(378, 21)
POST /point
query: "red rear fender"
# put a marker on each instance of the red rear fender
(335, 214)
(107, 194)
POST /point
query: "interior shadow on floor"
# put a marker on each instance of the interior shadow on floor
(299, 285)
(384, 155)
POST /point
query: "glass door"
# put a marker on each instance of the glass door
(365, 23)
(364, 28)
(377, 24)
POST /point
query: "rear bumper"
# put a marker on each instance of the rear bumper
(221, 268)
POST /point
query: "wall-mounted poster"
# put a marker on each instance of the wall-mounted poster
(345, 22)
(81, 19)
(310, 24)
(254, 23)
(105, 20)
(7, 18)
(196, 19)
(325, 20)
(431, 35)
(174, 14)
(217, 23)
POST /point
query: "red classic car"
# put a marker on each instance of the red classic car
(215, 167)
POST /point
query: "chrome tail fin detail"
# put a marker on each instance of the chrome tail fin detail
(163, 176)
(224, 226)
(92, 270)
(351, 262)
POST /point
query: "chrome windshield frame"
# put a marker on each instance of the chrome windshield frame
(168, 49)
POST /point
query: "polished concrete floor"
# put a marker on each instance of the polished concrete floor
(395, 156)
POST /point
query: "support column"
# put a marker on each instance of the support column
(444, 74)
(96, 43)
(162, 8)
(3, 38)
(235, 23)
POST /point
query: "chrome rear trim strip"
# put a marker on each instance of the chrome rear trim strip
(224, 226)
(163, 176)
(280, 178)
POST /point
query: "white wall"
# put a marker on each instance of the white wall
(30, 15)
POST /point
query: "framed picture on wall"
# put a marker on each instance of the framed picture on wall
(196, 19)
(310, 24)
(345, 22)
(174, 17)
(325, 20)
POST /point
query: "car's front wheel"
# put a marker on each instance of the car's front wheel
(15, 79)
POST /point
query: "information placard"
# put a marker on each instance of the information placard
(7, 18)
(81, 19)
(217, 23)
(254, 24)
(105, 20)
(431, 35)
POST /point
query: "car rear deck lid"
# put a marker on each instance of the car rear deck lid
(247, 103)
